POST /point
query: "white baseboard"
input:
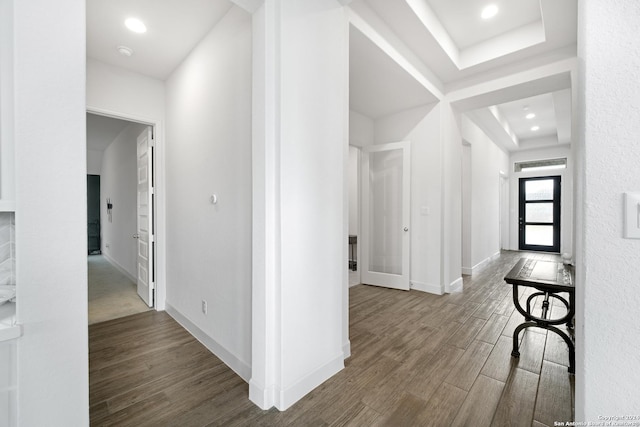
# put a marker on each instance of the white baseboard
(237, 365)
(262, 396)
(455, 286)
(426, 287)
(282, 399)
(120, 268)
(469, 271)
(291, 395)
(346, 350)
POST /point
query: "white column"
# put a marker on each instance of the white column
(300, 143)
(451, 238)
(607, 294)
(51, 241)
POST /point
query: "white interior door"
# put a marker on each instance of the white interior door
(144, 234)
(385, 215)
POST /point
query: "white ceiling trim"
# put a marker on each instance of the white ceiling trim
(249, 5)
(531, 82)
(431, 22)
(506, 44)
(504, 123)
(562, 107)
(544, 142)
(368, 22)
(496, 47)
(520, 91)
(487, 122)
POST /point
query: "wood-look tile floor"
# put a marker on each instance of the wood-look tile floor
(417, 360)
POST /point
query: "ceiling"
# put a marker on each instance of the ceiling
(456, 48)
(425, 32)
(368, 67)
(447, 43)
(101, 131)
(515, 113)
(174, 27)
(460, 18)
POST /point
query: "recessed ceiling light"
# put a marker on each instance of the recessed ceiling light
(535, 128)
(530, 116)
(135, 25)
(124, 50)
(489, 11)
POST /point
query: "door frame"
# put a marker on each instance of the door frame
(159, 200)
(557, 211)
(395, 281)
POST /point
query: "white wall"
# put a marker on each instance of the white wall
(118, 182)
(118, 90)
(421, 127)
(487, 161)
(51, 240)
(451, 241)
(7, 184)
(467, 265)
(94, 162)
(566, 195)
(313, 146)
(300, 200)
(361, 129)
(208, 138)
(608, 347)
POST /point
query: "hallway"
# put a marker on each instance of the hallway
(417, 359)
(111, 293)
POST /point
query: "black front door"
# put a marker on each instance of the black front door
(540, 214)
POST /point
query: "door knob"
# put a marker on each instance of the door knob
(406, 229)
(136, 236)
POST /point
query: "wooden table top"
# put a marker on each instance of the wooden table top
(543, 275)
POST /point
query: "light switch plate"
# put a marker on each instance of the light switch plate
(632, 215)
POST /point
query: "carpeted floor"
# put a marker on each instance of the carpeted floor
(111, 293)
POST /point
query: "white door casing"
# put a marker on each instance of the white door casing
(385, 248)
(144, 232)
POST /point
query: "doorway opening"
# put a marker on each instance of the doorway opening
(354, 215)
(93, 214)
(539, 216)
(121, 265)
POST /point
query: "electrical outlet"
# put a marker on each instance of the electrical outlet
(204, 306)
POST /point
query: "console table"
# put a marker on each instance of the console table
(550, 279)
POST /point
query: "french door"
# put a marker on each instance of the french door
(539, 217)
(385, 215)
